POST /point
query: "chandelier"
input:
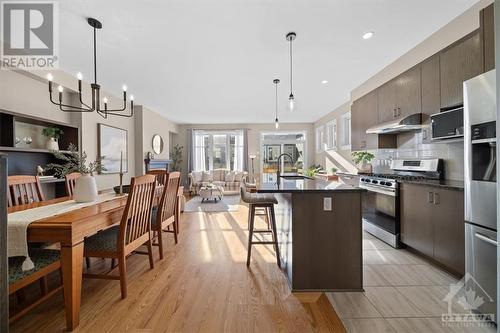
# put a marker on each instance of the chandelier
(95, 105)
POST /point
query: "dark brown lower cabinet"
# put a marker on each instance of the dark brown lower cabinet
(432, 222)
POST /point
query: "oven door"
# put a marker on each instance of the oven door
(380, 215)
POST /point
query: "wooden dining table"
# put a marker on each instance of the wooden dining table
(70, 229)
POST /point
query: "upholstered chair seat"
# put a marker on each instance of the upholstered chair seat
(104, 241)
(41, 259)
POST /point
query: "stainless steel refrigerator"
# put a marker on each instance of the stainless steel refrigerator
(480, 187)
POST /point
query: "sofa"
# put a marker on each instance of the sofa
(229, 180)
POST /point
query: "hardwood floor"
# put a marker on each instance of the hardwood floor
(202, 285)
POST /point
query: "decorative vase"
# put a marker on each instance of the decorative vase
(85, 189)
(52, 144)
(366, 167)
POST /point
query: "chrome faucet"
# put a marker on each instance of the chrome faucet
(278, 173)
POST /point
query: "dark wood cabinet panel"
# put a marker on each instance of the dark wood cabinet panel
(449, 229)
(430, 87)
(408, 92)
(487, 22)
(387, 101)
(417, 230)
(432, 222)
(364, 115)
(459, 63)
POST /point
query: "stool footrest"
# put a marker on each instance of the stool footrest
(262, 231)
(262, 243)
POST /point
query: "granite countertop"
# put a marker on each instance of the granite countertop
(305, 185)
(443, 183)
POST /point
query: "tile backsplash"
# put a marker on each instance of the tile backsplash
(411, 146)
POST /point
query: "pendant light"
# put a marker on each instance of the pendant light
(276, 122)
(290, 37)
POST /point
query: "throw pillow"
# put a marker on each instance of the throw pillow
(207, 177)
(238, 176)
(229, 178)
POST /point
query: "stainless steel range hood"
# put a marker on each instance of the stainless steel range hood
(411, 122)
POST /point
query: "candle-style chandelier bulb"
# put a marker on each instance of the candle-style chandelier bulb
(79, 76)
(60, 88)
(50, 77)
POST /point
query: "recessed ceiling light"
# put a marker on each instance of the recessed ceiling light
(368, 35)
(324, 82)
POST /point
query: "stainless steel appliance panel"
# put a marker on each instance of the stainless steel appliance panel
(480, 263)
(479, 150)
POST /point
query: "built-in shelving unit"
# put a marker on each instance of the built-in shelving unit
(25, 157)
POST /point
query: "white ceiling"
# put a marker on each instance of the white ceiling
(207, 61)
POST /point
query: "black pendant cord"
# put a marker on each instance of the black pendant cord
(95, 57)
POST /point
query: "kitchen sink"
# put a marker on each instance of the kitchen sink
(295, 177)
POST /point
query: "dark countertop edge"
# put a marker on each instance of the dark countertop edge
(456, 185)
(354, 189)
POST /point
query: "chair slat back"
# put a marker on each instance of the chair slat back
(70, 182)
(169, 197)
(136, 219)
(24, 190)
(161, 175)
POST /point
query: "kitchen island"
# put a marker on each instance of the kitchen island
(319, 232)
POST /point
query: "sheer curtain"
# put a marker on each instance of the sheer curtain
(239, 151)
(199, 151)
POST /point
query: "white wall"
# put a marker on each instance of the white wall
(254, 131)
(27, 93)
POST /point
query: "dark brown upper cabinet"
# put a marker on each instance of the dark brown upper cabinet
(400, 96)
(408, 92)
(431, 102)
(487, 30)
(387, 101)
(364, 114)
(458, 63)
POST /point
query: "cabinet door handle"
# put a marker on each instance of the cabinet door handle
(394, 113)
(399, 111)
(430, 197)
(436, 199)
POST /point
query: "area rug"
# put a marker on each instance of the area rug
(229, 203)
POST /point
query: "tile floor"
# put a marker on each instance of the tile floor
(403, 293)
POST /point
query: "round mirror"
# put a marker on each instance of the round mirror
(157, 144)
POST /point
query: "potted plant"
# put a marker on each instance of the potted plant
(176, 157)
(333, 175)
(362, 159)
(85, 185)
(313, 170)
(53, 134)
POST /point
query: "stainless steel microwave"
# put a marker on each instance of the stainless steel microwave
(448, 124)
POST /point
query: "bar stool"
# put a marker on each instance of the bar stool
(257, 201)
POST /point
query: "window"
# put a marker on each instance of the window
(320, 139)
(345, 132)
(215, 150)
(331, 134)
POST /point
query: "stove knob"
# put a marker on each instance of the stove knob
(374, 181)
(388, 184)
(382, 183)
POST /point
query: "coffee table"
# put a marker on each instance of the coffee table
(212, 192)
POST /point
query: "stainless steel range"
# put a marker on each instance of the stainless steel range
(381, 216)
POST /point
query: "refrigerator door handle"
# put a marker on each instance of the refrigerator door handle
(486, 239)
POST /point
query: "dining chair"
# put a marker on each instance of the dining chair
(23, 190)
(70, 182)
(164, 214)
(46, 262)
(133, 231)
(161, 175)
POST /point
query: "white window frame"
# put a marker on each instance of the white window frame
(211, 145)
(320, 138)
(331, 134)
(345, 133)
